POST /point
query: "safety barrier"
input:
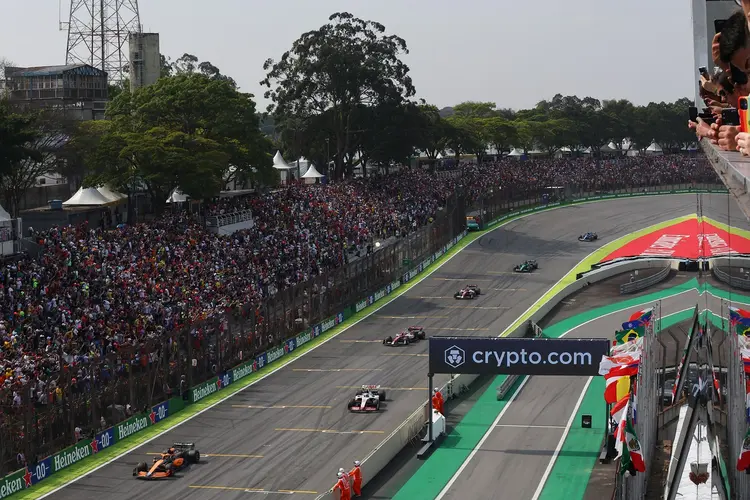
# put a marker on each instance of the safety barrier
(734, 282)
(642, 284)
(503, 389)
(376, 460)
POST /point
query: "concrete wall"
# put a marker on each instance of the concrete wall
(387, 450)
(145, 59)
(39, 196)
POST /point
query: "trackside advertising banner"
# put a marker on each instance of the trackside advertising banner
(26, 478)
(513, 356)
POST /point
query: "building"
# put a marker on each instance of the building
(145, 60)
(79, 90)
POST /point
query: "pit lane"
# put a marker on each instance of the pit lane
(296, 419)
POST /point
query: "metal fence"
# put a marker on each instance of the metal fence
(103, 388)
(733, 281)
(735, 405)
(642, 284)
(646, 410)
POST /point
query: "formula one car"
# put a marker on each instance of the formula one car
(406, 337)
(176, 458)
(366, 399)
(588, 237)
(526, 267)
(467, 293)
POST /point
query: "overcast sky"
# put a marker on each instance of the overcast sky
(511, 52)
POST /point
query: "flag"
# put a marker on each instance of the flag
(738, 313)
(743, 330)
(743, 461)
(610, 362)
(633, 446)
(643, 314)
(622, 371)
(619, 416)
(628, 335)
(616, 389)
(632, 325)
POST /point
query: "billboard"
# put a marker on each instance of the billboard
(516, 356)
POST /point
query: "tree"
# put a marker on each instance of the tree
(335, 69)
(472, 109)
(190, 130)
(31, 148)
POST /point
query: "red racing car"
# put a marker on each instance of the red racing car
(406, 337)
(467, 293)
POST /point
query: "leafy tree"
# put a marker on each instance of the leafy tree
(335, 69)
(472, 109)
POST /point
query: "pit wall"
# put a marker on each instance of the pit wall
(86, 449)
(387, 450)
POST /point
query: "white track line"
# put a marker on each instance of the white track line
(560, 443)
(496, 424)
(481, 441)
(410, 284)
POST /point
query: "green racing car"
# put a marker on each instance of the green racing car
(526, 267)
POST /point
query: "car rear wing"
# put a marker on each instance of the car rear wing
(414, 327)
(184, 446)
(371, 387)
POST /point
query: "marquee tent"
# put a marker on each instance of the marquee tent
(112, 196)
(312, 173)
(279, 163)
(177, 196)
(87, 197)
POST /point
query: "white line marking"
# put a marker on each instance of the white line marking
(481, 441)
(395, 296)
(522, 426)
(560, 443)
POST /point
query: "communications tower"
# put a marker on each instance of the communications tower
(98, 34)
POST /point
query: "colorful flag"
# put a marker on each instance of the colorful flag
(643, 313)
(743, 461)
(616, 389)
(742, 330)
(628, 335)
(619, 417)
(633, 446)
(609, 362)
(739, 313)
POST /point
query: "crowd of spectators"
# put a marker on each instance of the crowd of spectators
(92, 291)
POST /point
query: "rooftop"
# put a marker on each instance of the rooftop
(81, 69)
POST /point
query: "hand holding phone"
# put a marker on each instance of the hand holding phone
(730, 116)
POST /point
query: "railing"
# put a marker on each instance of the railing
(734, 282)
(217, 221)
(133, 376)
(642, 284)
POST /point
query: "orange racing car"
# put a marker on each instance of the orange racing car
(176, 458)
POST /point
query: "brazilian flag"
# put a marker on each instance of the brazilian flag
(630, 334)
(743, 330)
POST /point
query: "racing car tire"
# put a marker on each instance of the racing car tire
(193, 456)
(381, 394)
(140, 467)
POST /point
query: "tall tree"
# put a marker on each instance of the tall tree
(339, 67)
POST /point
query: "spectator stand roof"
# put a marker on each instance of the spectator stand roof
(87, 197)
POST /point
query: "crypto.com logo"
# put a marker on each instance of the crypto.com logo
(455, 356)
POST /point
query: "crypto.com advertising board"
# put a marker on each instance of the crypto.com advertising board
(516, 356)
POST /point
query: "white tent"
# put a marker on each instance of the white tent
(654, 149)
(112, 196)
(312, 173)
(87, 197)
(279, 163)
(607, 148)
(439, 156)
(177, 196)
(515, 152)
(4, 215)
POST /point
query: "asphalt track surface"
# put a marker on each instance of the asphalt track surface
(519, 448)
(289, 433)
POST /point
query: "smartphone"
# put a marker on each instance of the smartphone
(704, 72)
(730, 116)
(742, 110)
(693, 113)
(719, 25)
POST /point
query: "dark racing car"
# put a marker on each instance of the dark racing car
(176, 458)
(526, 267)
(467, 293)
(588, 237)
(366, 399)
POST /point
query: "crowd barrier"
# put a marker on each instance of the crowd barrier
(374, 462)
(643, 283)
(733, 281)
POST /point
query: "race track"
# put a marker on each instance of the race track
(289, 433)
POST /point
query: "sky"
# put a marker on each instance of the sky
(510, 52)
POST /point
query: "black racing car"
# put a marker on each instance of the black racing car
(526, 267)
(588, 237)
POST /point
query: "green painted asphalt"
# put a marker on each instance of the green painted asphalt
(572, 469)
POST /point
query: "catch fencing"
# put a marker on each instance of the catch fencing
(93, 391)
(646, 409)
(735, 405)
